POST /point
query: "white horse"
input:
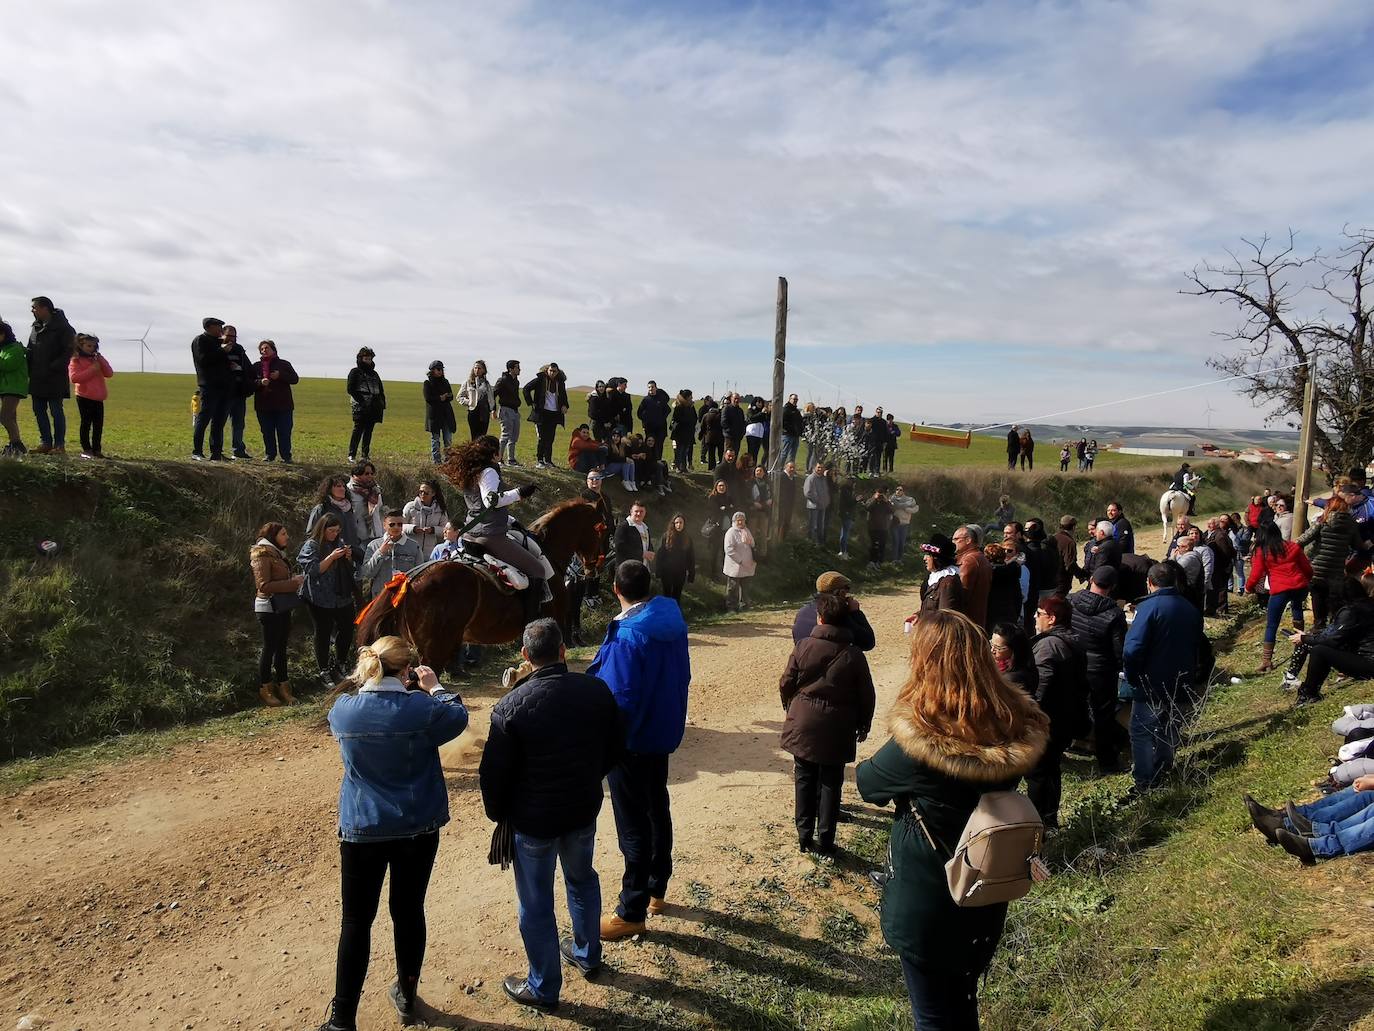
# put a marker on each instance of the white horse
(1172, 504)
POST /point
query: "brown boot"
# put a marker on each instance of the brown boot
(1266, 658)
(284, 693)
(268, 697)
(613, 928)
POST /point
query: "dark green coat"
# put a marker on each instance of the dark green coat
(945, 777)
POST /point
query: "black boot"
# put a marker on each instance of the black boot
(1300, 823)
(530, 599)
(335, 1023)
(1296, 846)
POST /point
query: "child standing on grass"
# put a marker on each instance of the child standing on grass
(88, 370)
(14, 387)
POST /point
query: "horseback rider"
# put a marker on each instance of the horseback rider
(479, 479)
(1186, 483)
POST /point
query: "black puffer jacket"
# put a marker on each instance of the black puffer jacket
(732, 422)
(51, 345)
(1099, 625)
(1351, 631)
(552, 740)
(1332, 540)
(1061, 690)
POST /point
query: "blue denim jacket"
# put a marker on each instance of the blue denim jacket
(393, 786)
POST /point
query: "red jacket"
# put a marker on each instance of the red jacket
(1289, 573)
(1252, 515)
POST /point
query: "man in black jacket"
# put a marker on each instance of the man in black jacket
(241, 389)
(508, 411)
(632, 537)
(792, 429)
(547, 396)
(732, 423)
(216, 382)
(1099, 624)
(1044, 556)
(624, 405)
(51, 344)
(1105, 550)
(552, 740)
(653, 413)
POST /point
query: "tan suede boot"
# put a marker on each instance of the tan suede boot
(268, 697)
(1266, 658)
(284, 693)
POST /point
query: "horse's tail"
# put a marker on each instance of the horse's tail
(381, 615)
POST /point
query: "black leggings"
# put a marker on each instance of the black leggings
(362, 436)
(672, 585)
(1322, 659)
(336, 624)
(362, 867)
(479, 422)
(276, 631)
(92, 423)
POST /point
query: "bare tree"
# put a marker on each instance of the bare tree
(1293, 309)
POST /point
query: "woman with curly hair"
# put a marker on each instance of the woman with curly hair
(474, 468)
(959, 729)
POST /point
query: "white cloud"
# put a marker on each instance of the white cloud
(619, 191)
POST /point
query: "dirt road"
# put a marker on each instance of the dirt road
(199, 889)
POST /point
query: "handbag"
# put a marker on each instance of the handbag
(502, 851)
(709, 527)
(285, 602)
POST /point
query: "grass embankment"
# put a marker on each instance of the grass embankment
(144, 617)
(149, 416)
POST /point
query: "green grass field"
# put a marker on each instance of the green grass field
(148, 415)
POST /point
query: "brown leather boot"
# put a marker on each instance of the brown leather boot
(284, 693)
(267, 695)
(1266, 658)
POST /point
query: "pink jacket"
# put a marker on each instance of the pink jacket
(89, 373)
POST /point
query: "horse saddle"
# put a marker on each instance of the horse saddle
(505, 576)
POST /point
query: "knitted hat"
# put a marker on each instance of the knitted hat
(830, 582)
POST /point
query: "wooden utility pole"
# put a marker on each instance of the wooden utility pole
(775, 420)
(1306, 444)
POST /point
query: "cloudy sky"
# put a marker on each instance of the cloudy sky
(985, 211)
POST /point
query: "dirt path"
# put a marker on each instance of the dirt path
(199, 889)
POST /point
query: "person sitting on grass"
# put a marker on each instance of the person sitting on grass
(1346, 644)
(1340, 824)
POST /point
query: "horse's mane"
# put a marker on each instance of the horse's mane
(541, 524)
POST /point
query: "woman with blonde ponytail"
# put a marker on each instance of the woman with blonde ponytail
(390, 716)
(958, 729)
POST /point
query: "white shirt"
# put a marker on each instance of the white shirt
(643, 531)
(489, 483)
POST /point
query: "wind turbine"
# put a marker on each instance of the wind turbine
(1210, 411)
(144, 349)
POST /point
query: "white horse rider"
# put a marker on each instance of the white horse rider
(1178, 499)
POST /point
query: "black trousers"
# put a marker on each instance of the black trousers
(361, 438)
(942, 1000)
(1109, 736)
(479, 422)
(214, 410)
(644, 827)
(672, 585)
(362, 867)
(1322, 659)
(710, 455)
(1327, 599)
(335, 624)
(276, 631)
(818, 788)
(877, 545)
(545, 429)
(1045, 783)
(92, 423)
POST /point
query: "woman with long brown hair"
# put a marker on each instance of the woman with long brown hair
(478, 396)
(475, 470)
(958, 730)
(675, 561)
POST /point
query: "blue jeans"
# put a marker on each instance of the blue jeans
(1274, 615)
(846, 524)
(941, 1000)
(534, 867)
(214, 410)
(276, 434)
(1342, 823)
(439, 442)
(788, 449)
(899, 534)
(1156, 726)
(54, 433)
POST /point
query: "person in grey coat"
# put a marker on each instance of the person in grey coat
(816, 490)
(393, 552)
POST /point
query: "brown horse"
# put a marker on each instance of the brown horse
(452, 604)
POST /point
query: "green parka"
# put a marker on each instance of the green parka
(14, 369)
(945, 776)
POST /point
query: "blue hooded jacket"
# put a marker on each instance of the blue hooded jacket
(644, 660)
(1163, 645)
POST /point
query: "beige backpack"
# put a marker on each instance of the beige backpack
(998, 855)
